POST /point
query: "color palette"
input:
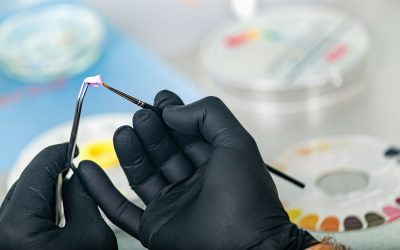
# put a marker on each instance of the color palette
(359, 187)
(288, 54)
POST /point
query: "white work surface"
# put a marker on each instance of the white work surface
(373, 111)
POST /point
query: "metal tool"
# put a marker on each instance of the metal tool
(75, 127)
(70, 154)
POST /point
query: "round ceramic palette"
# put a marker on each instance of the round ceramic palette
(351, 183)
(94, 142)
(288, 53)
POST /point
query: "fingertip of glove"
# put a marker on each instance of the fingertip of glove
(165, 98)
(160, 96)
(89, 171)
(87, 166)
(143, 115)
(122, 134)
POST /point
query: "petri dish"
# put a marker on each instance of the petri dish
(49, 42)
(287, 54)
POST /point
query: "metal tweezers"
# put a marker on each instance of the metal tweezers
(75, 126)
(70, 153)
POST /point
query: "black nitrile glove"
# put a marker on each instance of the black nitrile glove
(203, 180)
(27, 213)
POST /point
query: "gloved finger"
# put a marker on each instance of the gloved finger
(143, 177)
(81, 211)
(118, 209)
(208, 118)
(8, 197)
(194, 147)
(161, 148)
(165, 98)
(36, 185)
(162, 100)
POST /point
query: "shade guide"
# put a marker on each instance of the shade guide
(309, 222)
(374, 219)
(330, 224)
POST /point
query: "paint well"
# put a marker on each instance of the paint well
(294, 214)
(330, 224)
(392, 152)
(352, 223)
(392, 213)
(101, 151)
(304, 151)
(323, 146)
(374, 219)
(309, 222)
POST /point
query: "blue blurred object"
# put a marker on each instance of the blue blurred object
(27, 111)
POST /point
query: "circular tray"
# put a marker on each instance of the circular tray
(352, 183)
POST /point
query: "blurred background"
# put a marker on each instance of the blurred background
(315, 82)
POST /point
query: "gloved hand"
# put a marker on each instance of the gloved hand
(203, 180)
(28, 211)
